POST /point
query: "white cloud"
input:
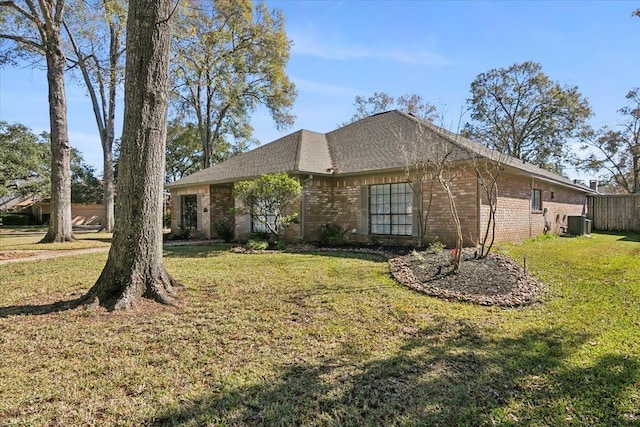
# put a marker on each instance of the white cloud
(323, 88)
(335, 50)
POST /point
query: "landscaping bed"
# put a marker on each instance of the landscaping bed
(494, 280)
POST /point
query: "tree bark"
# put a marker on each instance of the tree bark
(108, 198)
(134, 268)
(60, 229)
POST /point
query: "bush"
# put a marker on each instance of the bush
(15, 219)
(181, 234)
(224, 229)
(260, 235)
(332, 234)
(166, 219)
(436, 246)
(257, 245)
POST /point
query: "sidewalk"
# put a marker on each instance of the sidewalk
(46, 254)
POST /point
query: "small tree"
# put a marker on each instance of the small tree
(267, 198)
(419, 174)
(431, 157)
(488, 169)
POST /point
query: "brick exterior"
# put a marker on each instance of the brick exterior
(243, 222)
(221, 203)
(203, 197)
(337, 199)
(516, 221)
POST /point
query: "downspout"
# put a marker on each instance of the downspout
(479, 211)
(303, 208)
(533, 182)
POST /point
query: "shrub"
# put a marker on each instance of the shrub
(257, 245)
(332, 234)
(15, 219)
(224, 229)
(166, 219)
(436, 246)
(181, 234)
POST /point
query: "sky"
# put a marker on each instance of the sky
(341, 49)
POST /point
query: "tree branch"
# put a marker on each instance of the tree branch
(22, 40)
(12, 4)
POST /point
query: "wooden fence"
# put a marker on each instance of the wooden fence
(615, 212)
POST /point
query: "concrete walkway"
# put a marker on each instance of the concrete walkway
(46, 254)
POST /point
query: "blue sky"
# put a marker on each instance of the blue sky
(435, 49)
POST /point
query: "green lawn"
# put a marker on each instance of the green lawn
(329, 339)
(26, 238)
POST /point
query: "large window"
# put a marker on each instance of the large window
(189, 219)
(262, 218)
(536, 200)
(391, 209)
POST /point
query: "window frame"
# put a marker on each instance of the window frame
(536, 207)
(391, 209)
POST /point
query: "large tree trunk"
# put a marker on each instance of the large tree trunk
(134, 268)
(60, 229)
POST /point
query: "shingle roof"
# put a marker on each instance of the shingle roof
(379, 142)
(300, 152)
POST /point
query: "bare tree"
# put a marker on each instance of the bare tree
(96, 34)
(134, 268)
(616, 152)
(379, 102)
(418, 174)
(431, 157)
(488, 168)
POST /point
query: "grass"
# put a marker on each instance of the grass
(26, 239)
(326, 339)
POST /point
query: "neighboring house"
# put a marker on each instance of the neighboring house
(356, 177)
(81, 214)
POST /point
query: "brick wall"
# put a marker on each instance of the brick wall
(516, 221)
(337, 200)
(203, 198)
(440, 224)
(221, 202)
(293, 233)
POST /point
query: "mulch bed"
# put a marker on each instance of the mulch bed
(495, 280)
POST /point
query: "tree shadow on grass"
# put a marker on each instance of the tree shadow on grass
(195, 251)
(446, 375)
(624, 236)
(35, 310)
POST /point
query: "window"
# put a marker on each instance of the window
(189, 212)
(536, 200)
(391, 209)
(260, 221)
(258, 225)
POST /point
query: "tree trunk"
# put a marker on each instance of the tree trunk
(60, 229)
(134, 268)
(108, 188)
